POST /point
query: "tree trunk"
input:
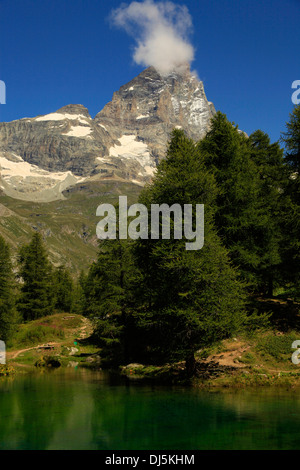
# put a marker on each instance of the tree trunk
(270, 286)
(190, 365)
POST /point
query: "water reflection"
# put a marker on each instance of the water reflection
(31, 409)
(80, 409)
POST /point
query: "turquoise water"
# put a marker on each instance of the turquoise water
(78, 409)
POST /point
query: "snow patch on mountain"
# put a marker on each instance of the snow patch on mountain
(79, 131)
(60, 117)
(22, 180)
(130, 148)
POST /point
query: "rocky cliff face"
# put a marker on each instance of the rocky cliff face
(42, 156)
(150, 106)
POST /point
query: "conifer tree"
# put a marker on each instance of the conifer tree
(291, 220)
(272, 173)
(108, 298)
(79, 296)
(291, 139)
(8, 317)
(191, 298)
(243, 214)
(64, 289)
(37, 295)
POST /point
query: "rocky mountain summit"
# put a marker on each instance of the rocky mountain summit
(41, 157)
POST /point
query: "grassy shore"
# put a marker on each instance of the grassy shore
(61, 337)
(253, 359)
(263, 359)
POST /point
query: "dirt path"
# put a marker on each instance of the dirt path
(230, 357)
(14, 354)
(84, 332)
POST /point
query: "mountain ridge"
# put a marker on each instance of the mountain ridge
(41, 157)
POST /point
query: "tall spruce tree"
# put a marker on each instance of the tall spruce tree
(191, 298)
(37, 295)
(63, 289)
(270, 164)
(243, 213)
(291, 219)
(8, 317)
(291, 139)
(108, 298)
(79, 303)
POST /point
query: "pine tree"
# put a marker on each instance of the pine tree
(291, 221)
(243, 215)
(79, 297)
(108, 299)
(291, 139)
(37, 295)
(191, 298)
(271, 169)
(64, 289)
(8, 317)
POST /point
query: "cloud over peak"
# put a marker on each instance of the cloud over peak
(161, 31)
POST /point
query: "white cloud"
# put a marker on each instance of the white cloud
(161, 30)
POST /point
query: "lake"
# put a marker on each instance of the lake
(81, 409)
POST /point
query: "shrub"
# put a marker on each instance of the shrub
(48, 361)
(38, 334)
(277, 346)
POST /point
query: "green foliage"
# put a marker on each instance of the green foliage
(8, 316)
(291, 139)
(108, 298)
(191, 298)
(277, 346)
(79, 303)
(63, 289)
(270, 165)
(6, 370)
(247, 173)
(36, 298)
(153, 300)
(291, 218)
(256, 322)
(48, 361)
(36, 334)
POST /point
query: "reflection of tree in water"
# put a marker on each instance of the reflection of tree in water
(155, 419)
(119, 418)
(32, 409)
(8, 411)
(51, 411)
(272, 417)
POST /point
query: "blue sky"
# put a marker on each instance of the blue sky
(58, 52)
